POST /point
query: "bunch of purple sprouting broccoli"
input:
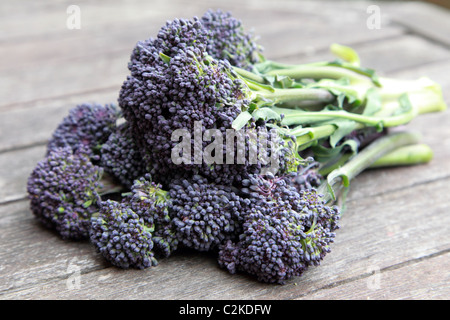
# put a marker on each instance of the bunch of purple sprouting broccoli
(112, 175)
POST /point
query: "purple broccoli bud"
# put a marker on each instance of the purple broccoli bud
(204, 214)
(285, 232)
(122, 237)
(63, 192)
(227, 40)
(86, 126)
(121, 158)
(148, 200)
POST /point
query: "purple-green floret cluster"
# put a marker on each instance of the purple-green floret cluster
(174, 84)
(151, 202)
(204, 214)
(122, 237)
(87, 126)
(121, 158)
(284, 232)
(228, 40)
(63, 192)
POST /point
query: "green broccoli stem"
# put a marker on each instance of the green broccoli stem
(404, 156)
(387, 121)
(317, 72)
(258, 88)
(307, 135)
(341, 177)
(360, 81)
(278, 96)
(249, 75)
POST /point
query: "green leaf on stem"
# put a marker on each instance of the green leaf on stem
(373, 102)
(266, 114)
(241, 120)
(324, 154)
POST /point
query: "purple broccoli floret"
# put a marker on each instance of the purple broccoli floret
(121, 158)
(204, 214)
(122, 237)
(285, 232)
(87, 126)
(63, 192)
(174, 84)
(151, 203)
(228, 40)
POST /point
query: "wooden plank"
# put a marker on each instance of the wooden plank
(36, 264)
(35, 19)
(28, 125)
(15, 168)
(63, 78)
(400, 231)
(427, 20)
(72, 63)
(423, 279)
(42, 255)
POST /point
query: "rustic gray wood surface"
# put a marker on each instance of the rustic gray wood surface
(394, 241)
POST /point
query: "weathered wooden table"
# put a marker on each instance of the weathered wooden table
(394, 241)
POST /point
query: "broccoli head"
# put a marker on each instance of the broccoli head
(174, 84)
(87, 126)
(204, 214)
(121, 158)
(151, 203)
(227, 40)
(63, 191)
(284, 232)
(122, 237)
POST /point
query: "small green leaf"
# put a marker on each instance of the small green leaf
(324, 154)
(370, 73)
(87, 203)
(241, 120)
(373, 102)
(344, 127)
(342, 89)
(164, 58)
(266, 114)
(404, 103)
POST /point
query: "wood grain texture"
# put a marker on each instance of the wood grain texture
(393, 242)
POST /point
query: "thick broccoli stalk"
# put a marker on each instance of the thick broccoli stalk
(64, 192)
(122, 237)
(121, 158)
(151, 203)
(363, 98)
(204, 214)
(285, 232)
(228, 40)
(87, 126)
